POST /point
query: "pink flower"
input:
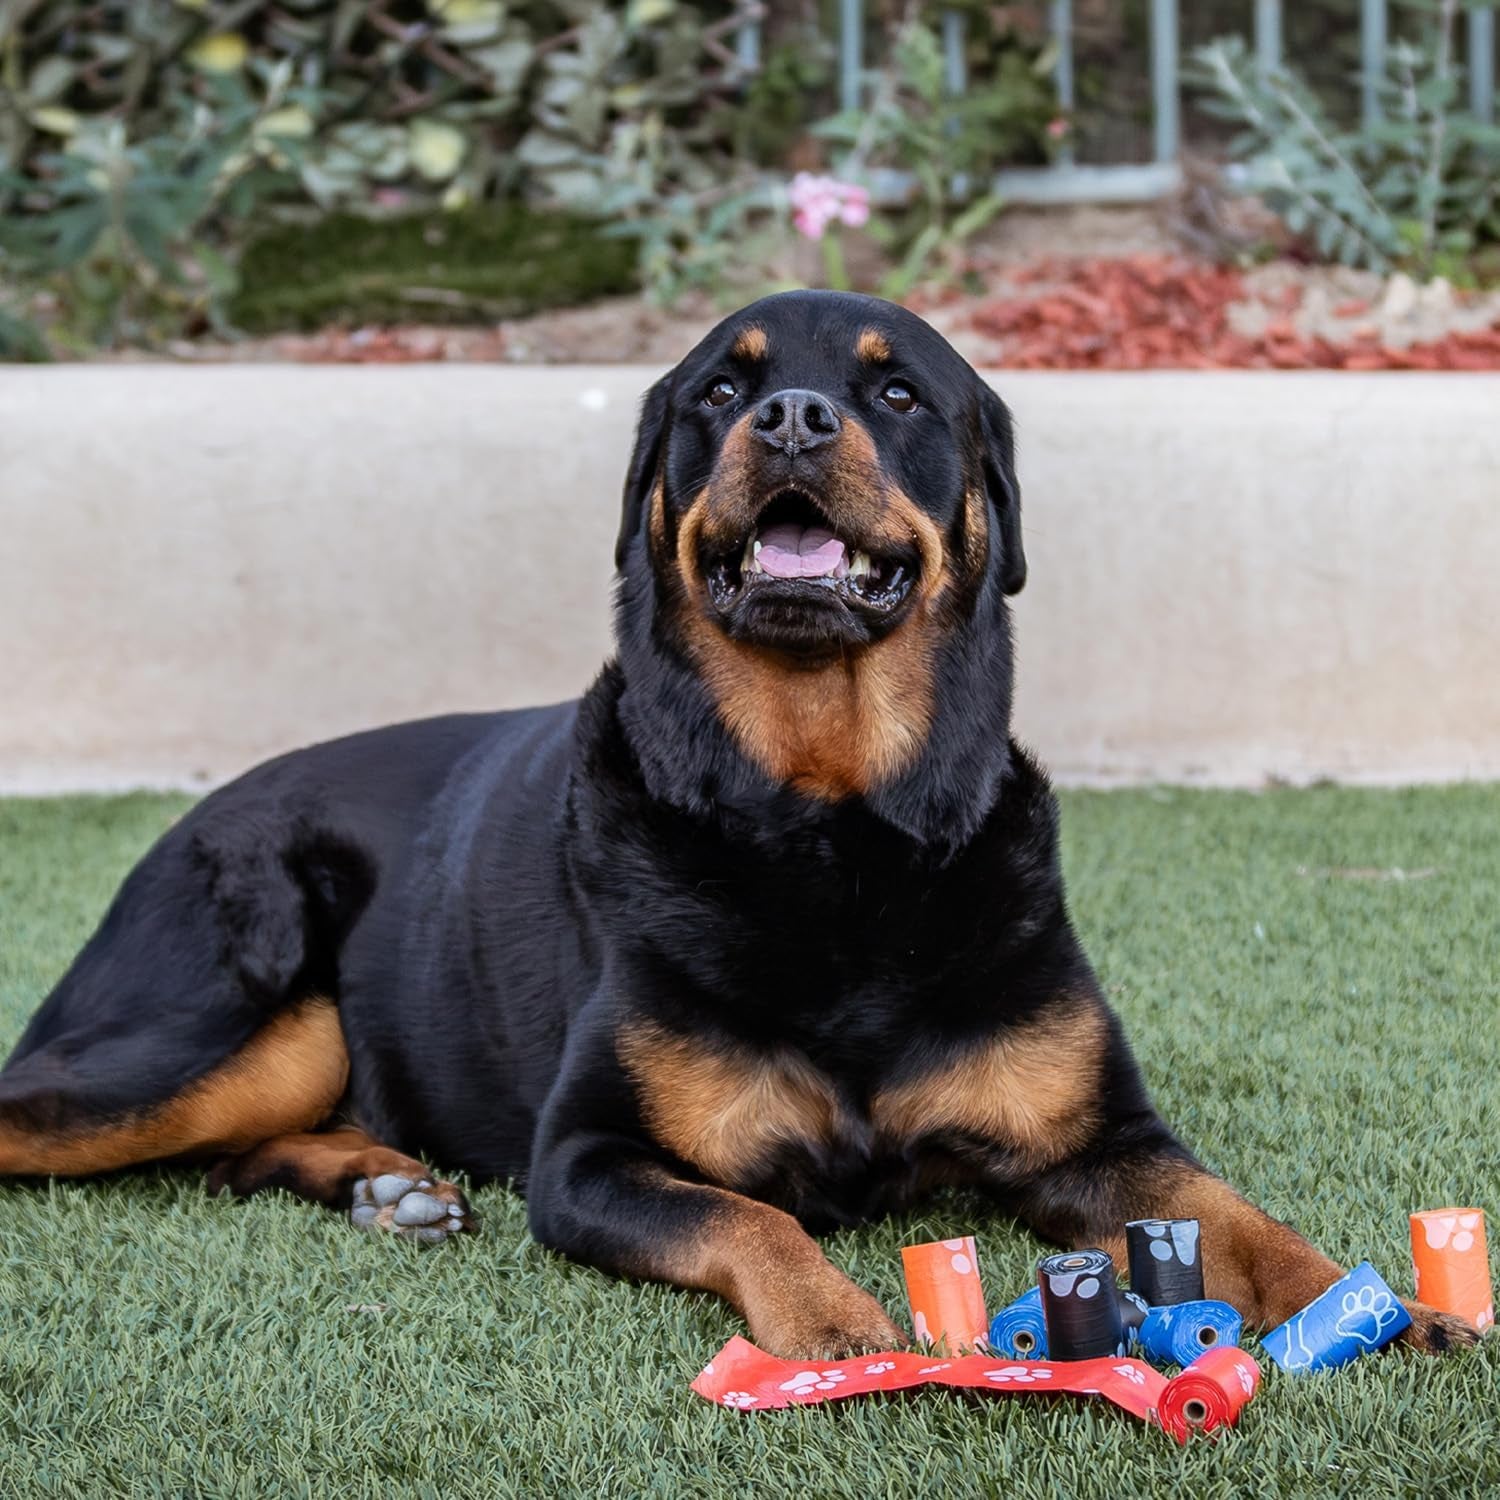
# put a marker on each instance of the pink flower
(1058, 128)
(818, 202)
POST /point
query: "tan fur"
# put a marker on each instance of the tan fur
(1034, 1089)
(872, 346)
(724, 1112)
(837, 727)
(287, 1077)
(751, 343)
(976, 533)
(1262, 1267)
(318, 1166)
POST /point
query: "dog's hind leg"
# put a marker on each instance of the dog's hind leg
(345, 1168)
(288, 1076)
(194, 1022)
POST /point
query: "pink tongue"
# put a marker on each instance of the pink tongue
(793, 551)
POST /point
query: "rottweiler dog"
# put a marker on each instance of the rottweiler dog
(765, 934)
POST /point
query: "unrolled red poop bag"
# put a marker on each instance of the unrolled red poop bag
(1208, 1395)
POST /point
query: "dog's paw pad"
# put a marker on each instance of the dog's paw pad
(415, 1209)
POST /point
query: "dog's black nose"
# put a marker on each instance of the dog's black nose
(795, 421)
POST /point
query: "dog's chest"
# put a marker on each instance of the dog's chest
(771, 1123)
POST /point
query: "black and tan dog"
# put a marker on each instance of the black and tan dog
(763, 935)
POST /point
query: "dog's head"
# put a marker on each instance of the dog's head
(822, 498)
(818, 465)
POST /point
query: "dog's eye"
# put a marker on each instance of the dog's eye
(898, 397)
(721, 393)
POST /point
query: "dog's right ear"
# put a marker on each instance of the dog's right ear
(650, 439)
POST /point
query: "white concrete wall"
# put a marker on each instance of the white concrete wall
(1233, 576)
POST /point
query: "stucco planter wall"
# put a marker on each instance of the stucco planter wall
(1233, 576)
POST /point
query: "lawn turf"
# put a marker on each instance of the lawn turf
(1325, 1038)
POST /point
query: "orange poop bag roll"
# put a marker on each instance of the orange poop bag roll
(1452, 1264)
(947, 1302)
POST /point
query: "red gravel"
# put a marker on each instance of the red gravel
(1159, 313)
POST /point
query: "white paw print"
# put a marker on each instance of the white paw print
(880, 1367)
(1018, 1375)
(1246, 1383)
(738, 1399)
(1367, 1312)
(933, 1369)
(1129, 1372)
(1457, 1227)
(806, 1381)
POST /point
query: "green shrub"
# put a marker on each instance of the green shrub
(1420, 188)
(484, 262)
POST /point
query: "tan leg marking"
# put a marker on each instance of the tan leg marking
(762, 1262)
(287, 1077)
(1260, 1266)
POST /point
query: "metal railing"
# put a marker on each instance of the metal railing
(1069, 181)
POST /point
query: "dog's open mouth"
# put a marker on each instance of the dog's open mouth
(793, 550)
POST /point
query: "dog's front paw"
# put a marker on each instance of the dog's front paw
(827, 1325)
(1434, 1332)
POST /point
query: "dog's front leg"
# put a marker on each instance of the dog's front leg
(1261, 1266)
(601, 1192)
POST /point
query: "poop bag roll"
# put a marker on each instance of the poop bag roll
(1452, 1264)
(1358, 1314)
(1165, 1264)
(1185, 1331)
(1209, 1394)
(1019, 1331)
(947, 1302)
(1081, 1305)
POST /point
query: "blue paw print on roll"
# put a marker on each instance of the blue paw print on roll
(1359, 1313)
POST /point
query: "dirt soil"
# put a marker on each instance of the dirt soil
(1078, 288)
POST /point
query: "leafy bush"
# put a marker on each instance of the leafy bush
(1421, 188)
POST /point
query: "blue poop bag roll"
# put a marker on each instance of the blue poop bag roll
(1020, 1331)
(1358, 1314)
(1179, 1334)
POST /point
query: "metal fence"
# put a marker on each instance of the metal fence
(1070, 181)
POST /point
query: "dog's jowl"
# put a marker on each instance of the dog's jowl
(765, 934)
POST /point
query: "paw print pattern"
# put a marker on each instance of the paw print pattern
(1367, 1313)
(933, 1369)
(880, 1367)
(1129, 1372)
(805, 1382)
(1246, 1383)
(1455, 1228)
(1018, 1375)
(740, 1400)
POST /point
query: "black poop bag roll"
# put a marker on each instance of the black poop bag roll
(1165, 1264)
(1080, 1305)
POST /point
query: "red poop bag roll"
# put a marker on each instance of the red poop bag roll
(1209, 1394)
(1218, 1385)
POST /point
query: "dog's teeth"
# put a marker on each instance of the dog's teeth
(750, 563)
(860, 565)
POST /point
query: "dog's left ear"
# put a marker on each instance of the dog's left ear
(649, 435)
(998, 445)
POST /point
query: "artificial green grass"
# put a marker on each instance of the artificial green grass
(1325, 1038)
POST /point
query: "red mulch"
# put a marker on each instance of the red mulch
(1156, 313)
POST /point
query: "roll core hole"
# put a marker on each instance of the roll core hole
(1024, 1342)
(1195, 1412)
(1207, 1336)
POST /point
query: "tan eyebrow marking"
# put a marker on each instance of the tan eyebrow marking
(872, 345)
(752, 343)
